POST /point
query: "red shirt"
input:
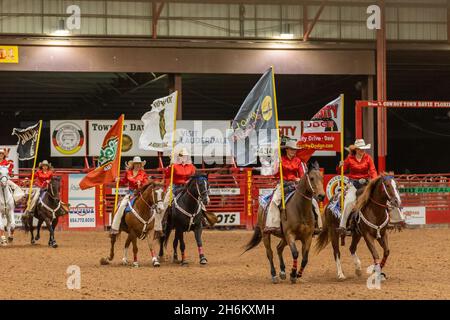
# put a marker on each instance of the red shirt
(43, 178)
(181, 172)
(9, 164)
(364, 169)
(132, 180)
(292, 168)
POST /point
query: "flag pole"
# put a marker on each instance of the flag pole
(34, 165)
(342, 153)
(116, 197)
(283, 204)
(173, 147)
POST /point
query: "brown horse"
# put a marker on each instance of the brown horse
(297, 224)
(370, 221)
(139, 223)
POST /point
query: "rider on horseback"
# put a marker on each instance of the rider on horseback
(135, 177)
(183, 169)
(5, 162)
(293, 170)
(361, 170)
(42, 179)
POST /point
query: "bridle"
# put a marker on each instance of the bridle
(51, 194)
(308, 179)
(198, 199)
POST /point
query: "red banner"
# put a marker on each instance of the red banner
(322, 141)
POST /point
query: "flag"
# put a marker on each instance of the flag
(159, 124)
(254, 129)
(28, 141)
(109, 159)
(323, 132)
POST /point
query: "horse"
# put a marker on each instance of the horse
(370, 219)
(48, 209)
(186, 214)
(139, 223)
(297, 223)
(8, 198)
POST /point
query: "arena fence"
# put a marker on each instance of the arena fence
(235, 195)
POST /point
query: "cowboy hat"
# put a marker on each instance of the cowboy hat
(3, 151)
(183, 152)
(361, 144)
(44, 163)
(291, 144)
(136, 160)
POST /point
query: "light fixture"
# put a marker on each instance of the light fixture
(61, 31)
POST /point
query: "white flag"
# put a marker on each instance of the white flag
(159, 124)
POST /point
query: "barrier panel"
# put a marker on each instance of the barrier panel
(235, 195)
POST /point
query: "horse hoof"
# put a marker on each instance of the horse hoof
(184, 263)
(358, 272)
(33, 242)
(383, 276)
(156, 264)
(124, 262)
(275, 280)
(37, 238)
(104, 261)
(341, 277)
(283, 275)
(54, 245)
(135, 264)
(10, 239)
(175, 260)
(203, 261)
(293, 280)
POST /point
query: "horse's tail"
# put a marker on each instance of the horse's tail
(255, 240)
(324, 236)
(26, 222)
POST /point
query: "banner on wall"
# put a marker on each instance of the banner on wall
(82, 204)
(415, 215)
(68, 138)
(9, 54)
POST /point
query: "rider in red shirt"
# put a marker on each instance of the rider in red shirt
(135, 177)
(43, 175)
(5, 162)
(361, 169)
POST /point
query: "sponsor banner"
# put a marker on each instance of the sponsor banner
(414, 215)
(290, 129)
(12, 155)
(68, 138)
(9, 54)
(228, 218)
(132, 130)
(321, 141)
(334, 185)
(424, 190)
(122, 191)
(82, 204)
(224, 191)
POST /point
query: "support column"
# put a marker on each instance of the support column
(381, 89)
(175, 84)
(368, 115)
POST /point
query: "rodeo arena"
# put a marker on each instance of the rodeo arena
(225, 150)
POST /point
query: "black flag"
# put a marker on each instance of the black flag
(254, 127)
(28, 139)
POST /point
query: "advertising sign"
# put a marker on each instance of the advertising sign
(82, 204)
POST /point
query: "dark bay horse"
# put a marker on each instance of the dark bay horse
(139, 223)
(370, 218)
(297, 224)
(186, 214)
(48, 209)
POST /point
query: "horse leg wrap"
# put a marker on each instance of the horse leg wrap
(152, 253)
(300, 272)
(200, 251)
(135, 258)
(183, 256)
(295, 264)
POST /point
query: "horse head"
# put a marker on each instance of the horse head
(54, 187)
(389, 187)
(4, 176)
(200, 184)
(156, 189)
(315, 181)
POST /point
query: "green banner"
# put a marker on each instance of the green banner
(424, 190)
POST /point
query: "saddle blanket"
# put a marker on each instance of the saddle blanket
(265, 200)
(129, 206)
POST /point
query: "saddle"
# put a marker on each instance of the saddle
(129, 206)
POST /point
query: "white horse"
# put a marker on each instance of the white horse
(10, 193)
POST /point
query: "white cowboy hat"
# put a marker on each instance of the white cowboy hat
(361, 144)
(183, 152)
(291, 144)
(136, 160)
(44, 163)
(3, 151)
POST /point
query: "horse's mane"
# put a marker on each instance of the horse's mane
(362, 200)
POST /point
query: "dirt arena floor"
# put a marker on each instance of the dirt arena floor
(418, 268)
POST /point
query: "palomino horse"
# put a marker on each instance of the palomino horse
(297, 224)
(8, 197)
(48, 209)
(371, 219)
(185, 215)
(139, 223)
